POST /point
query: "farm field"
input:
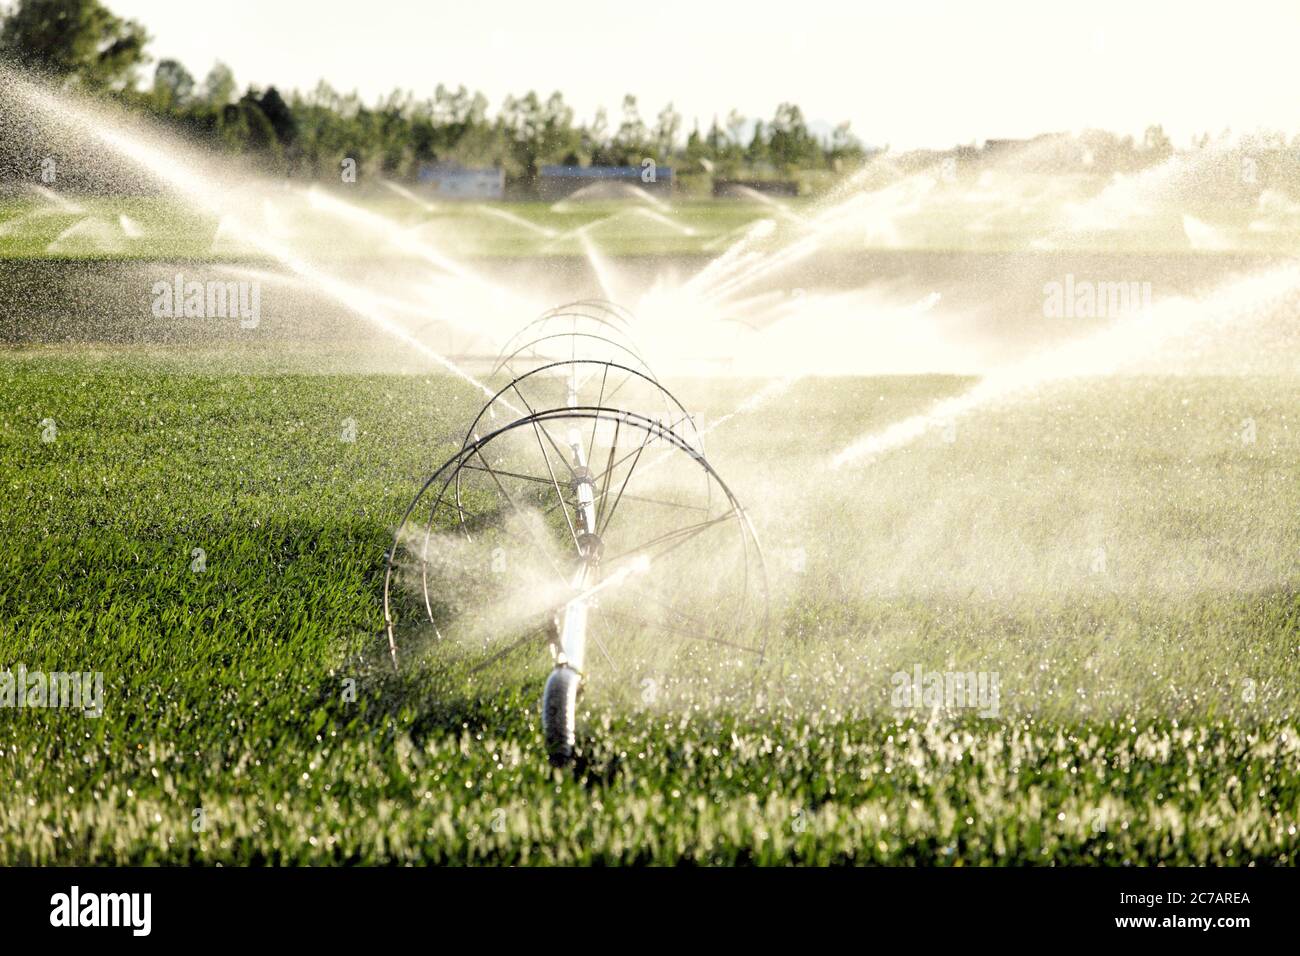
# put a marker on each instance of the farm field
(990, 211)
(1021, 450)
(1147, 709)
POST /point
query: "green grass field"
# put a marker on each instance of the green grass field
(1148, 710)
(996, 211)
(162, 229)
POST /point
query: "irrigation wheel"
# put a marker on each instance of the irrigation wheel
(602, 534)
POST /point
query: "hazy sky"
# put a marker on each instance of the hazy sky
(921, 72)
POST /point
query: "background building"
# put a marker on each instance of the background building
(560, 182)
(451, 181)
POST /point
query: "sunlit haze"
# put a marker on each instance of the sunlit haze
(907, 74)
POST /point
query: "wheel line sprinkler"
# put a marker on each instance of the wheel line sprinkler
(589, 502)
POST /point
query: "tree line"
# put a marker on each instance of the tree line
(82, 44)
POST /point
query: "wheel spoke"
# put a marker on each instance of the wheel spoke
(511, 474)
(704, 638)
(613, 449)
(505, 651)
(666, 504)
(658, 599)
(619, 387)
(538, 424)
(644, 537)
(622, 487)
(604, 651)
(559, 495)
(682, 535)
(599, 403)
(519, 511)
(657, 435)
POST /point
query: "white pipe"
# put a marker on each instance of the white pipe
(573, 616)
(573, 628)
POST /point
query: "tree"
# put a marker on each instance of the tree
(756, 152)
(277, 113)
(632, 141)
(698, 153)
(789, 143)
(246, 127)
(391, 123)
(667, 127)
(726, 146)
(172, 86)
(539, 132)
(736, 127)
(1156, 143)
(594, 136)
(77, 41)
(844, 148)
(521, 120)
(219, 85)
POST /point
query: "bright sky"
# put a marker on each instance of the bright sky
(912, 73)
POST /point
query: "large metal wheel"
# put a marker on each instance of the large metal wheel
(497, 542)
(596, 530)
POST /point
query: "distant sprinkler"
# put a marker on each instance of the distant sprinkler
(613, 566)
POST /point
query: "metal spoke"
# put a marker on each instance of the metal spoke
(559, 495)
(512, 646)
(657, 432)
(613, 448)
(619, 387)
(537, 424)
(604, 651)
(622, 487)
(460, 512)
(599, 403)
(520, 512)
(685, 534)
(666, 504)
(679, 632)
(658, 599)
(511, 474)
